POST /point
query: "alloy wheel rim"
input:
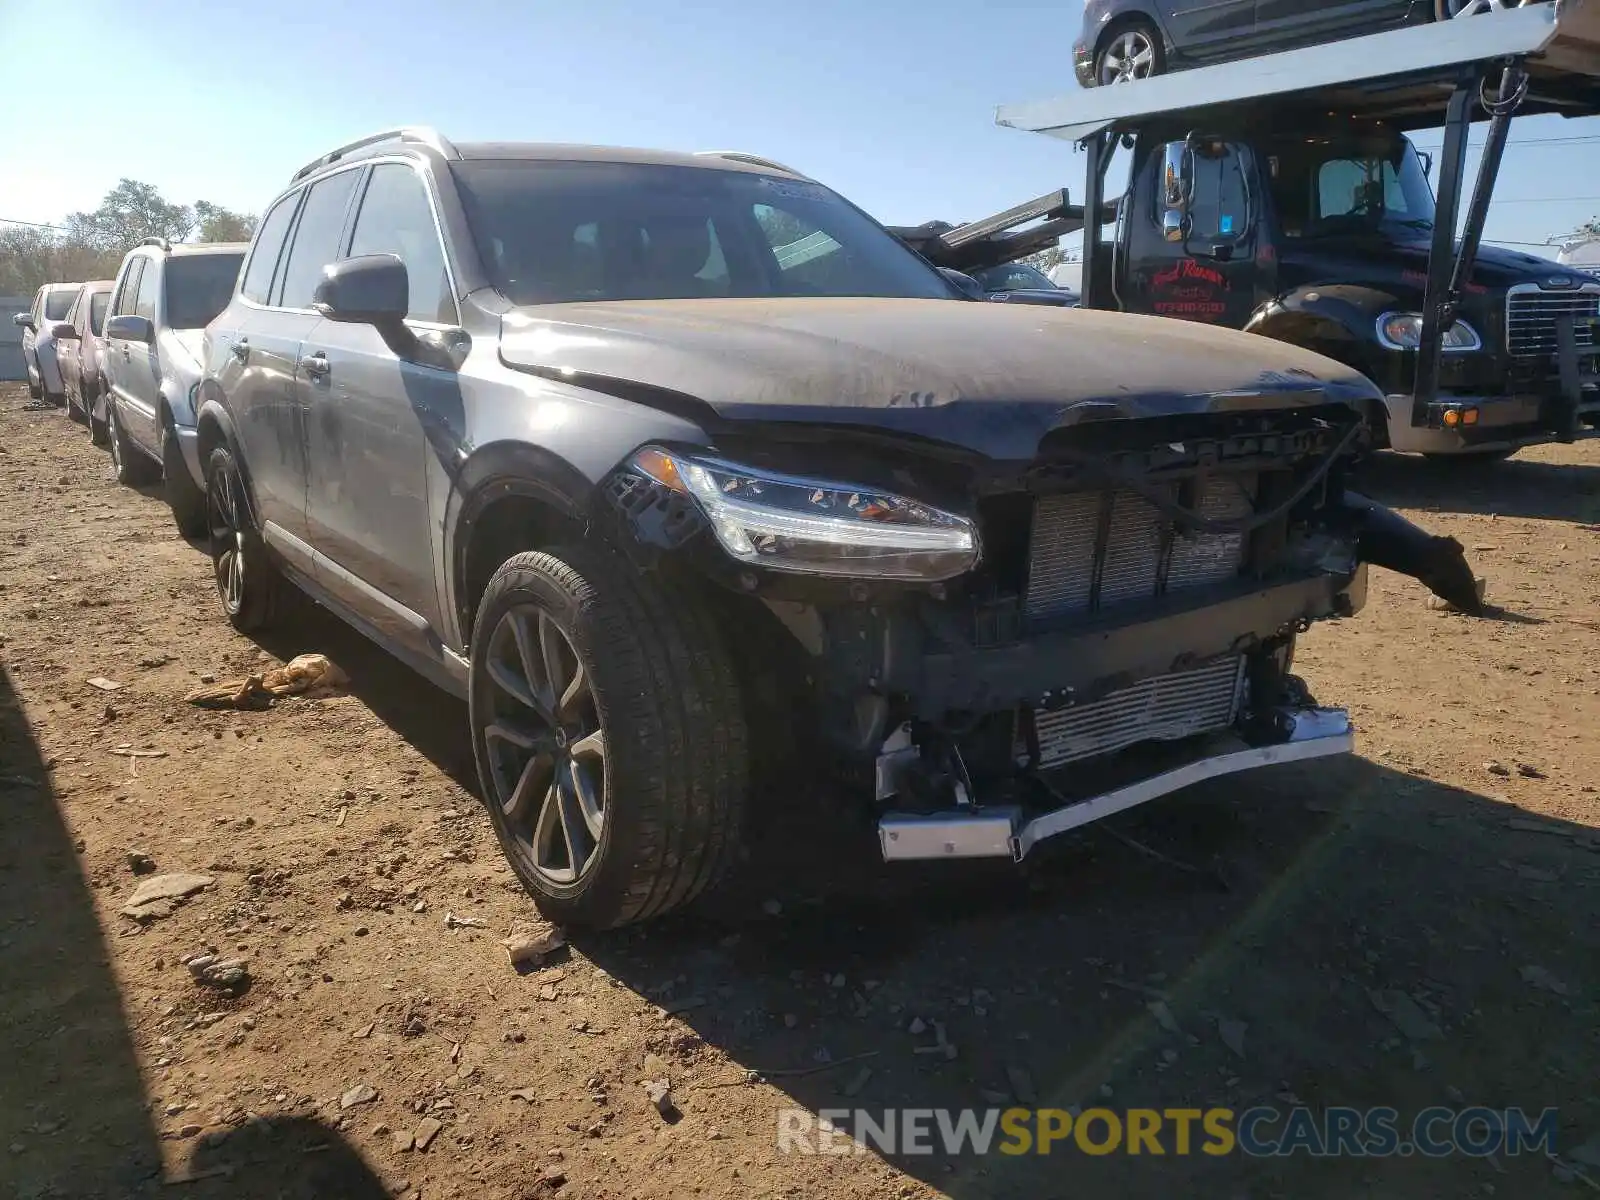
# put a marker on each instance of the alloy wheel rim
(545, 745)
(1473, 8)
(1131, 55)
(226, 524)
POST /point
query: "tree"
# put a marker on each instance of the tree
(218, 224)
(130, 212)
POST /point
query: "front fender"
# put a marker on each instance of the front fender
(1340, 321)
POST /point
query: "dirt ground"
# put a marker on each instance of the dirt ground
(1454, 861)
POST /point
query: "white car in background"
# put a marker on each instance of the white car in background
(51, 303)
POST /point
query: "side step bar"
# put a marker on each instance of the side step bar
(1002, 831)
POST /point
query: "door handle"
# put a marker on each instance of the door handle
(241, 349)
(316, 365)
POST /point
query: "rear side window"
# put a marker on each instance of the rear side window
(198, 288)
(97, 312)
(58, 304)
(128, 293)
(268, 249)
(149, 286)
(316, 237)
(395, 218)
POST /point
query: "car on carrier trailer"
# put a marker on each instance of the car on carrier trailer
(689, 477)
(1280, 195)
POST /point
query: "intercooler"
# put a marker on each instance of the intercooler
(1140, 555)
(1164, 708)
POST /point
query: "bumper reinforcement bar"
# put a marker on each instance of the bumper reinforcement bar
(1004, 832)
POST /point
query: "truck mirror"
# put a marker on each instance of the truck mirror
(1175, 177)
(1172, 225)
(1427, 163)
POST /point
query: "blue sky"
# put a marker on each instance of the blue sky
(890, 102)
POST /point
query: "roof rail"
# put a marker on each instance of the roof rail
(157, 241)
(418, 135)
(754, 160)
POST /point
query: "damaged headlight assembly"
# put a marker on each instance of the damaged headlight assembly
(817, 527)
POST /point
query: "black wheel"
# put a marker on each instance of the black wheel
(75, 409)
(609, 734)
(133, 467)
(186, 499)
(99, 433)
(35, 390)
(249, 585)
(1130, 51)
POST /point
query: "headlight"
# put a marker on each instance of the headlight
(817, 528)
(1403, 331)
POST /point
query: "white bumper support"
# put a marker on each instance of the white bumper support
(1002, 831)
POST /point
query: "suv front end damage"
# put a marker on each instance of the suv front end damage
(1024, 648)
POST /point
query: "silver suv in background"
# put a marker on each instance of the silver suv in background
(164, 297)
(51, 303)
(79, 356)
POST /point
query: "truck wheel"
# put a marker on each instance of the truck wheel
(134, 468)
(1131, 51)
(184, 497)
(248, 582)
(609, 734)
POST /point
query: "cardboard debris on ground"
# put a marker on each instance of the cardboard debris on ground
(310, 675)
(158, 895)
(104, 684)
(528, 950)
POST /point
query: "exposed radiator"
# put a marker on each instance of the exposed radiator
(1200, 700)
(1140, 560)
(1531, 320)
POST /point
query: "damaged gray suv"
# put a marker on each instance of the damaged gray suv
(703, 489)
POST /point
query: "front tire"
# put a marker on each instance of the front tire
(249, 584)
(186, 499)
(610, 736)
(133, 468)
(1130, 52)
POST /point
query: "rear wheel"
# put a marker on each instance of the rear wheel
(609, 734)
(134, 468)
(186, 498)
(1130, 51)
(35, 389)
(99, 433)
(249, 584)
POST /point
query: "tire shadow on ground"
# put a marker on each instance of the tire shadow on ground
(74, 1113)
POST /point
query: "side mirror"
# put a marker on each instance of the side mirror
(64, 331)
(129, 327)
(370, 289)
(1173, 225)
(23, 319)
(964, 283)
(1175, 190)
(1427, 163)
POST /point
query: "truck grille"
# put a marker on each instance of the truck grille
(1531, 320)
(1167, 707)
(1142, 556)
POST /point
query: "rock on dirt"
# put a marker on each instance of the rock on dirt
(140, 862)
(362, 1093)
(427, 1129)
(230, 974)
(157, 896)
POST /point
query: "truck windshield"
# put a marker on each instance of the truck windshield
(199, 286)
(560, 231)
(1331, 187)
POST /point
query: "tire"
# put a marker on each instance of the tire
(1129, 51)
(35, 390)
(252, 590)
(99, 433)
(134, 468)
(186, 499)
(630, 803)
(77, 413)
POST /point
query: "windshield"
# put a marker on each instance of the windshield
(199, 286)
(550, 232)
(97, 312)
(1013, 277)
(58, 304)
(1325, 187)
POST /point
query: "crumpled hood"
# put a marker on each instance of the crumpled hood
(993, 378)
